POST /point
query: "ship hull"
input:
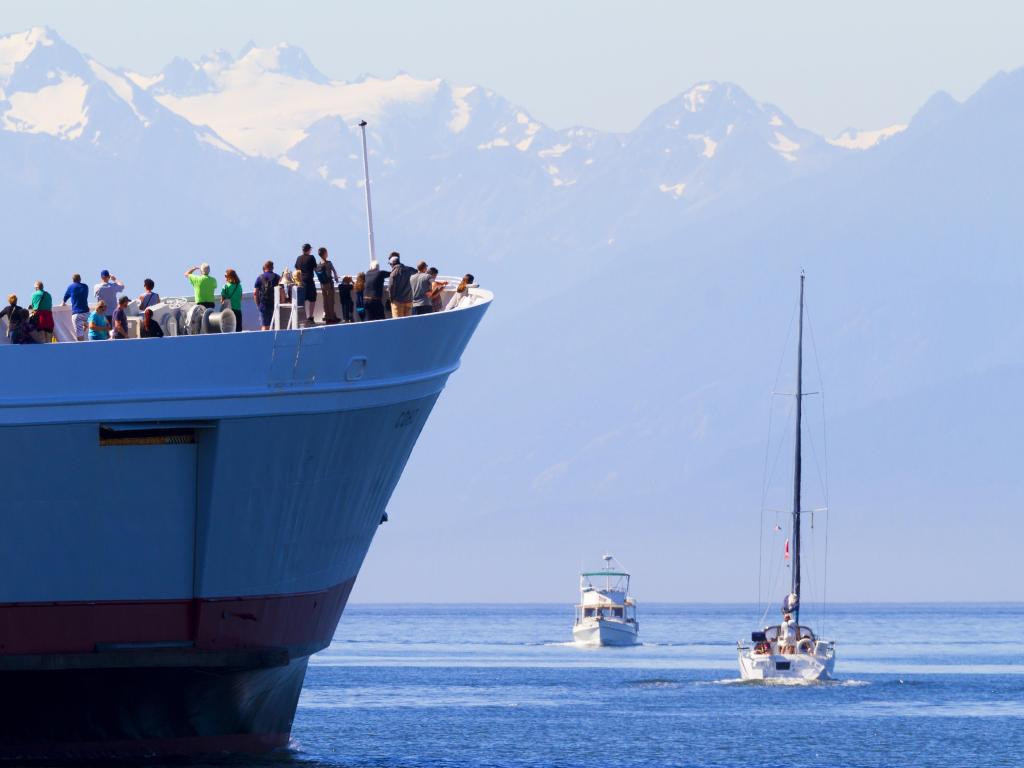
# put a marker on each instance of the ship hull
(800, 667)
(612, 633)
(171, 711)
(178, 542)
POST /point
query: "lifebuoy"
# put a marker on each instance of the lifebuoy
(805, 645)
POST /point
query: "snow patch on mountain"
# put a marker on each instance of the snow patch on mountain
(695, 97)
(120, 85)
(676, 190)
(710, 145)
(208, 137)
(16, 48)
(266, 113)
(785, 146)
(461, 110)
(58, 110)
(556, 151)
(854, 139)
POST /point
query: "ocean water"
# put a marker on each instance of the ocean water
(473, 685)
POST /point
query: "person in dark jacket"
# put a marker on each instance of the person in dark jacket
(400, 287)
(305, 266)
(345, 292)
(263, 294)
(373, 292)
(17, 322)
(326, 275)
(150, 328)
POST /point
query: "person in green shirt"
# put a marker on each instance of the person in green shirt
(232, 293)
(41, 313)
(41, 299)
(203, 285)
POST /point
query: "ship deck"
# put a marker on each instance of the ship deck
(288, 314)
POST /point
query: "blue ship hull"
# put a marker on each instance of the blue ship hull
(188, 520)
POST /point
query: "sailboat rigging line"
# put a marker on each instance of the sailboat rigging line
(764, 498)
(766, 477)
(797, 457)
(824, 468)
(764, 492)
(817, 468)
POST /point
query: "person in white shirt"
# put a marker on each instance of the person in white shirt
(106, 291)
(787, 635)
(462, 297)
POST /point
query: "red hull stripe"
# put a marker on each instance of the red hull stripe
(306, 620)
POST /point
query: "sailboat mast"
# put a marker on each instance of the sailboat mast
(797, 453)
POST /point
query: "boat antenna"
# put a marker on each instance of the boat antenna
(366, 186)
(796, 457)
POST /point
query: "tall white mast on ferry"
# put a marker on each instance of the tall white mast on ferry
(366, 186)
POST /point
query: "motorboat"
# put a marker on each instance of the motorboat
(606, 613)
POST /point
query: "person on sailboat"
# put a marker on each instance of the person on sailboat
(787, 635)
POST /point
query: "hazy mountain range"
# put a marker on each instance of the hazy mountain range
(617, 397)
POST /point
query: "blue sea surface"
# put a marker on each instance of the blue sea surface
(487, 685)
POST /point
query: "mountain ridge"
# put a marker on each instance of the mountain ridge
(616, 393)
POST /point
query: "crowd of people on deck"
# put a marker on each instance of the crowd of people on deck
(396, 290)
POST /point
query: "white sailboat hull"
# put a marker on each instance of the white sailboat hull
(796, 666)
(606, 633)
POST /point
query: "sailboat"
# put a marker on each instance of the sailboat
(790, 650)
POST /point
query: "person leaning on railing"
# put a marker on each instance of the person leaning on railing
(263, 294)
(345, 291)
(436, 289)
(78, 294)
(17, 322)
(462, 294)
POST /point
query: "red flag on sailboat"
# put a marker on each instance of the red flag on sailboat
(787, 549)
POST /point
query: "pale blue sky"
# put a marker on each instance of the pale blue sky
(604, 64)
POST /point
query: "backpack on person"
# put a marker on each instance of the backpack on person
(265, 291)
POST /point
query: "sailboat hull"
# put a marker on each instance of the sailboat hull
(782, 667)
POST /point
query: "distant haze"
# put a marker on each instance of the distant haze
(600, 64)
(616, 396)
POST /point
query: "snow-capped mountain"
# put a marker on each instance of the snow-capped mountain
(643, 282)
(49, 88)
